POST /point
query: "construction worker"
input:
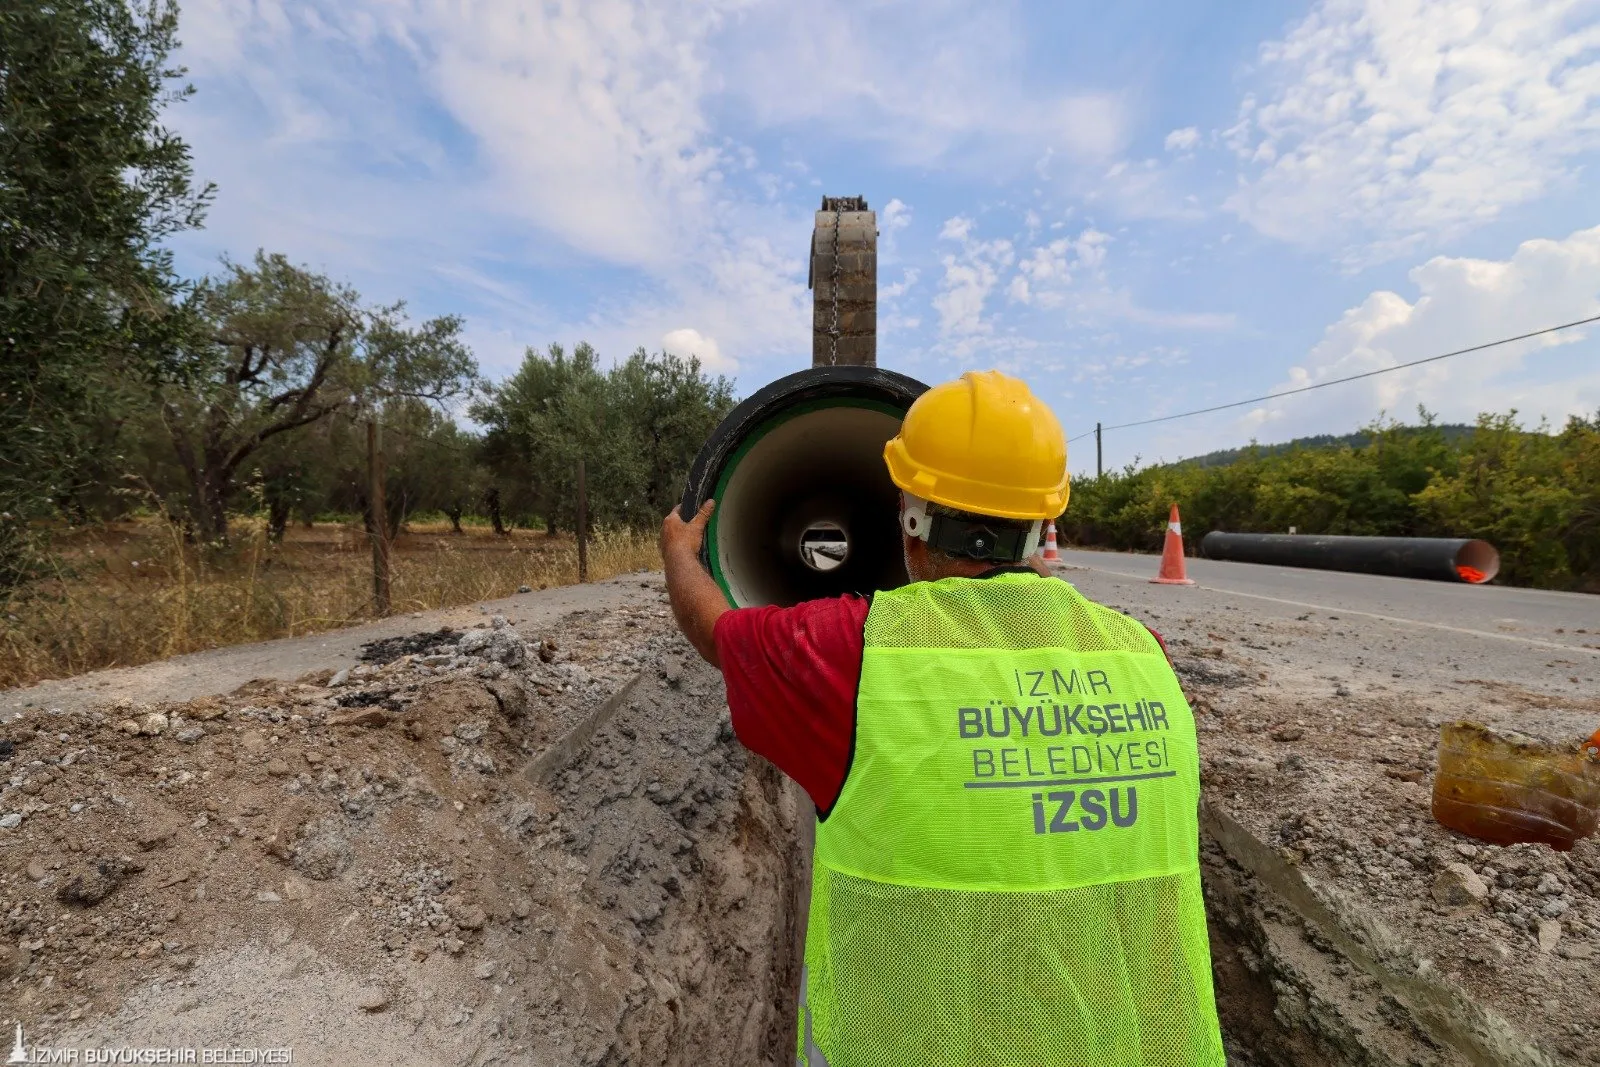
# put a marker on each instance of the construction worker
(1006, 777)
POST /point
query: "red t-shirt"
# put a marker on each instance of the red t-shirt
(792, 676)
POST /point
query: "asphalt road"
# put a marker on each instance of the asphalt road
(1300, 626)
(1535, 617)
(1361, 628)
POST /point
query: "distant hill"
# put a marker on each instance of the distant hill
(1222, 458)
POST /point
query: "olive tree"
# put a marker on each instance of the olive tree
(276, 348)
(91, 184)
(636, 425)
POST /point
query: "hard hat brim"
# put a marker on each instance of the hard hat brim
(972, 495)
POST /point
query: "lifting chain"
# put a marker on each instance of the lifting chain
(833, 331)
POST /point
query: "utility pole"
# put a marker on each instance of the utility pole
(583, 525)
(379, 521)
(1099, 467)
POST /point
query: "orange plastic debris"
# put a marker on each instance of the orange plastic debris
(1472, 574)
(1504, 787)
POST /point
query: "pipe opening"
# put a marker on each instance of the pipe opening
(824, 546)
(1477, 562)
(807, 510)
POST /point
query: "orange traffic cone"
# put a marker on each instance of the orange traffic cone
(1051, 555)
(1172, 572)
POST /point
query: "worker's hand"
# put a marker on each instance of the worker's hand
(678, 536)
(697, 601)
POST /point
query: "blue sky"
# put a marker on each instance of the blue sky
(1141, 208)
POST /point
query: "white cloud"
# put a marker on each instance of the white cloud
(384, 140)
(594, 105)
(892, 318)
(1145, 189)
(1182, 140)
(966, 285)
(590, 116)
(1044, 274)
(1065, 277)
(929, 81)
(955, 229)
(970, 275)
(563, 170)
(895, 290)
(894, 217)
(755, 281)
(687, 342)
(1391, 125)
(1459, 302)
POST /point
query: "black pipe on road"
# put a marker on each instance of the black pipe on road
(1445, 559)
(805, 507)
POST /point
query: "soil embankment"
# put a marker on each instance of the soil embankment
(535, 840)
(385, 865)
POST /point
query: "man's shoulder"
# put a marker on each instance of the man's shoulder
(821, 607)
(827, 616)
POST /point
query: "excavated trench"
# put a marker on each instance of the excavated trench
(563, 859)
(1298, 984)
(1288, 994)
(1304, 978)
(699, 847)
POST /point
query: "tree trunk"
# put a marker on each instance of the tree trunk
(77, 514)
(397, 509)
(182, 522)
(380, 523)
(277, 519)
(213, 509)
(454, 514)
(492, 499)
(550, 525)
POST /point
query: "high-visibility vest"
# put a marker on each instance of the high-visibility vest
(1010, 876)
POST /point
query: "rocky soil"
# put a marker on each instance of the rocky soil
(1337, 784)
(538, 843)
(402, 863)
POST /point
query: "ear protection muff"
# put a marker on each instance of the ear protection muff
(1035, 538)
(914, 517)
(916, 522)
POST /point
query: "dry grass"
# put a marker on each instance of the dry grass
(133, 593)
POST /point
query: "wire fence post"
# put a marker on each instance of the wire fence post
(583, 525)
(379, 522)
(1099, 464)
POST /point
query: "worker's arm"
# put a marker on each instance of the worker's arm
(697, 601)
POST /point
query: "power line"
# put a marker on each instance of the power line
(1341, 381)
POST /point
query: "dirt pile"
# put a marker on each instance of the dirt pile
(1334, 780)
(384, 865)
(514, 843)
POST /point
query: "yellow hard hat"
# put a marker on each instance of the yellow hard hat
(985, 444)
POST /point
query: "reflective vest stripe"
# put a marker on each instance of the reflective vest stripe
(808, 1055)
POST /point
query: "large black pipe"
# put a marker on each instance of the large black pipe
(1446, 559)
(805, 507)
